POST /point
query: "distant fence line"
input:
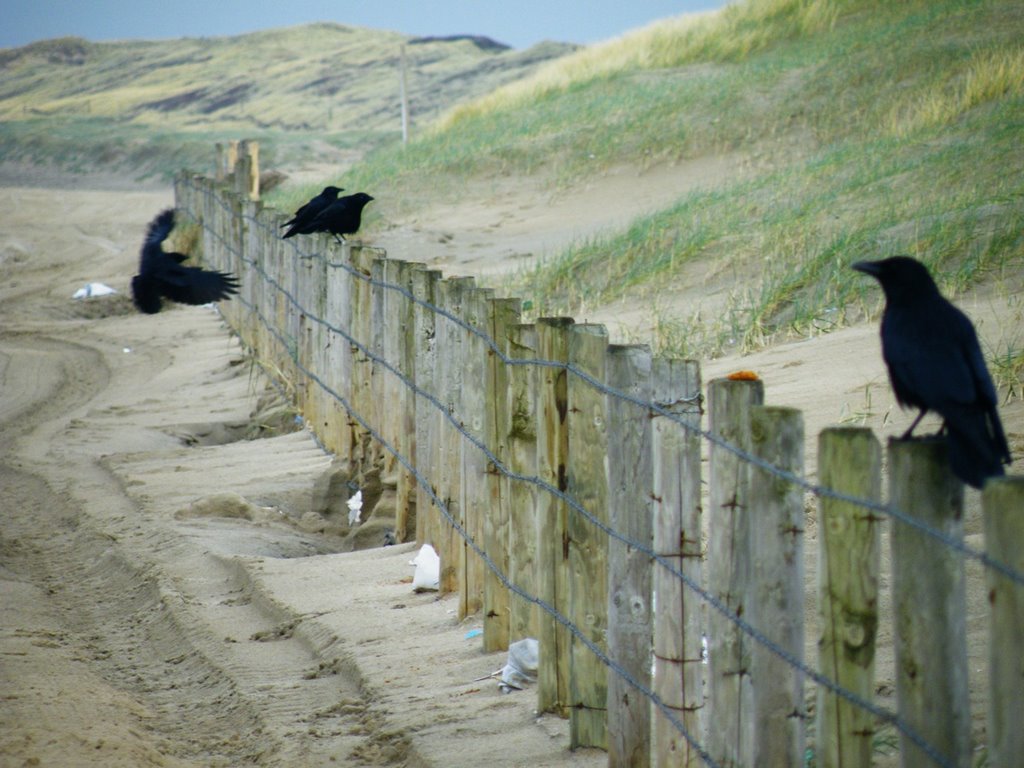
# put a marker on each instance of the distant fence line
(559, 477)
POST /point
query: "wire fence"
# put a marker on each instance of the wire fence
(242, 223)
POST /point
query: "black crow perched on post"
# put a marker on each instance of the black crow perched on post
(162, 275)
(308, 211)
(935, 364)
(342, 217)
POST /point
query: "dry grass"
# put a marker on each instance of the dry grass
(988, 76)
(731, 34)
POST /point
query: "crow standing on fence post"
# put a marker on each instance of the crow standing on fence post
(308, 211)
(340, 218)
(161, 274)
(935, 364)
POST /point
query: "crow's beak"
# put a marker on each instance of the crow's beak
(867, 267)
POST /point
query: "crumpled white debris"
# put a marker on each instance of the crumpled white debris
(91, 290)
(521, 668)
(427, 576)
(355, 507)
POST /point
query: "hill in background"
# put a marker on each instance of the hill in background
(153, 106)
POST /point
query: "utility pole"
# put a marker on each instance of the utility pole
(404, 97)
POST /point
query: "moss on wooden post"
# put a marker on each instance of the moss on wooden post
(473, 478)
(777, 590)
(552, 535)
(849, 462)
(521, 497)
(502, 315)
(588, 547)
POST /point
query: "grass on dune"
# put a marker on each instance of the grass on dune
(870, 129)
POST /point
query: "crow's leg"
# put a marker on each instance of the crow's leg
(910, 429)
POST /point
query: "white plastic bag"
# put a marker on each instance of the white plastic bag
(89, 290)
(428, 570)
(355, 507)
(521, 668)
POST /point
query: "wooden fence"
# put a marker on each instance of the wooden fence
(560, 479)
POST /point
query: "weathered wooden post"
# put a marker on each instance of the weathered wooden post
(360, 261)
(777, 590)
(425, 287)
(232, 228)
(407, 402)
(729, 556)
(338, 438)
(285, 272)
(250, 175)
(502, 314)
(227, 157)
(387, 337)
(587, 483)
(630, 628)
(678, 672)
(552, 535)
(473, 478)
(849, 462)
(520, 496)
(319, 341)
(929, 604)
(448, 447)
(1002, 505)
(306, 294)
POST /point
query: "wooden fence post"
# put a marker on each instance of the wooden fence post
(306, 293)
(630, 483)
(360, 260)
(250, 181)
(502, 314)
(227, 156)
(405, 319)
(552, 534)
(339, 361)
(929, 604)
(425, 287)
(1002, 504)
(729, 555)
(284, 271)
(520, 496)
(678, 658)
(849, 462)
(320, 340)
(587, 483)
(388, 333)
(448, 447)
(473, 478)
(777, 590)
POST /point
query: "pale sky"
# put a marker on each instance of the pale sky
(519, 23)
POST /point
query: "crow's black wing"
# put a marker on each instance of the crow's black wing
(152, 255)
(160, 227)
(146, 294)
(921, 346)
(935, 363)
(298, 214)
(307, 212)
(192, 285)
(329, 217)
